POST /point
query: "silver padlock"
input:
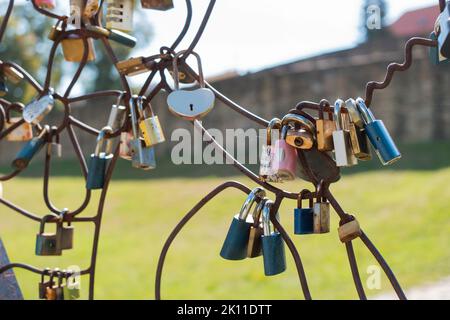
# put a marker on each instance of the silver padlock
(54, 148)
(117, 114)
(321, 212)
(36, 110)
(341, 139)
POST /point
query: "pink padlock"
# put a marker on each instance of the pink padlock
(125, 145)
(285, 161)
(46, 4)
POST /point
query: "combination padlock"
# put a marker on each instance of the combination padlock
(73, 48)
(65, 231)
(274, 255)
(142, 157)
(378, 135)
(358, 137)
(304, 217)
(48, 244)
(325, 129)
(29, 150)
(254, 248)
(119, 14)
(341, 140)
(43, 285)
(266, 168)
(285, 159)
(54, 147)
(24, 132)
(162, 5)
(190, 105)
(236, 242)
(349, 230)
(321, 212)
(149, 125)
(117, 114)
(301, 130)
(36, 110)
(100, 161)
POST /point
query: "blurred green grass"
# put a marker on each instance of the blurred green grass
(406, 214)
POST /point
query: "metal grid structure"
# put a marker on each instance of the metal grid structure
(158, 64)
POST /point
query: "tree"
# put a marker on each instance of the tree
(374, 14)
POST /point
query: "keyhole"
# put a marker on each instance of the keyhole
(191, 106)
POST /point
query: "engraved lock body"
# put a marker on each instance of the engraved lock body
(349, 230)
(99, 161)
(35, 111)
(22, 132)
(66, 231)
(341, 140)
(73, 48)
(119, 14)
(46, 4)
(274, 255)
(236, 242)
(325, 129)
(300, 133)
(358, 137)
(142, 157)
(321, 212)
(379, 136)
(285, 160)
(266, 169)
(444, 32)
(44, 284)
(162, 5)
(48, 244)
(254, 248)
(304, 217)
(150, 126)
(190, 105)
(29, 150)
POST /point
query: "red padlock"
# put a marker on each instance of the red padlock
(285, 161)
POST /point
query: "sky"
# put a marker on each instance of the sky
(249, 35)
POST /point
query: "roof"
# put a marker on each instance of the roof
(417, 22)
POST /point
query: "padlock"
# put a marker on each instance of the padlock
(266, 169)
(324, 130)
(444, 32)
(65, 231)
(76, 13)
(300, 134)
(358, 137)
(114, 35)
(59, 288)
(29, 150)
(304, 217)
(236, 242)
(274, 255)
(285, 159)
(150, 126)
(378, 135)
(50, 292)
(73, 48)
(3, 86)
(35, 111)
(12, 74)
(43, 285)
(133, 66)
(117, 114)
(142, 157)
(54, 147)
(56, 30)
(99, 161)
(435, 56)
(72, 287)
(190, 105)
(162, 5)
(321, 212)
(90, 9)
(23, 132)
(125, 145)
(119, 14)
(349, 230)
(48, 244)
(46, 4)
(341, 140)
(254, 248)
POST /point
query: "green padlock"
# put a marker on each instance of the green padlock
(48, 244)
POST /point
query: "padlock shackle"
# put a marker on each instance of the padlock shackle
(257, 211)
(302, 196)
(141, 108)
(300, 120)
(255, 195)
(268, 227)
(365, 112)
(322, 104)
(275, 123)
(320, 191)
(353, 112)
(337, 115)
(101, 141)
(44, 220)
(134, 117)
(176, 80)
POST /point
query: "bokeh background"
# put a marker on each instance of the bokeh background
(266, 56)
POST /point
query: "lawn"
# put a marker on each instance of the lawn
(405, 213)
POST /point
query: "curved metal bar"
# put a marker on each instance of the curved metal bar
(393, 67)
(98, 94)
(45, 12)
(6, 19)
(355, 272)
(36, 270)
(185, 29)
(19, 210)
(77, 123)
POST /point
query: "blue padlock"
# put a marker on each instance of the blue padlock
(29, 150)
(99, 161)
(304, 217)
(436, 57)
(236, 241)
(272, 245)
(444, 32)
(378, 135)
